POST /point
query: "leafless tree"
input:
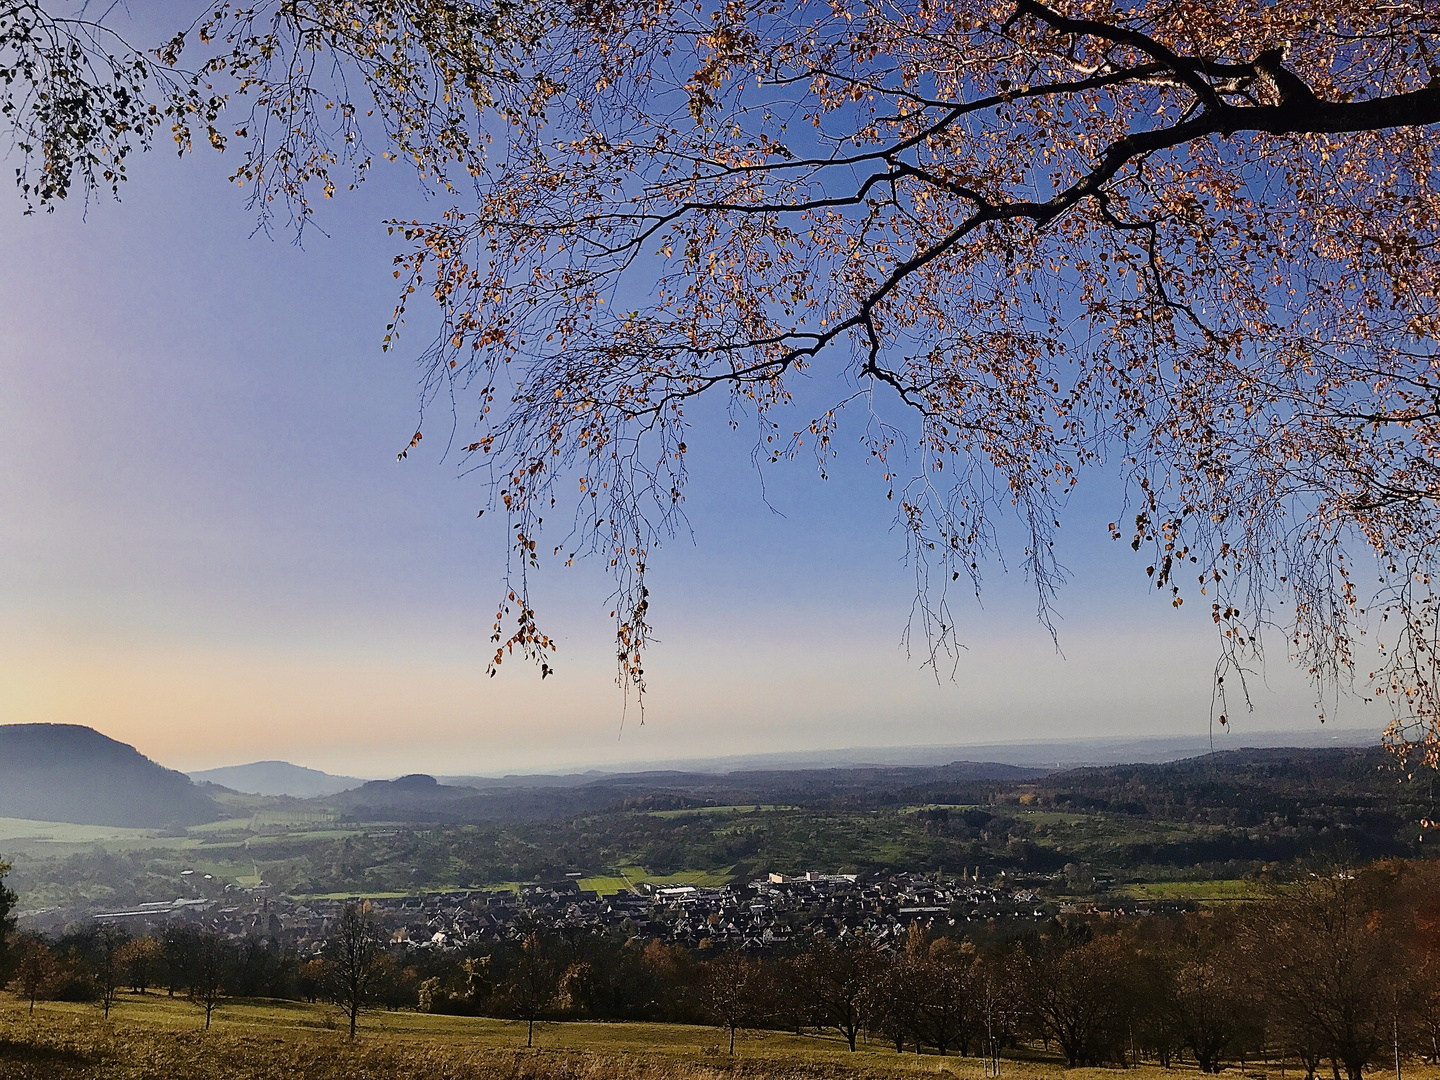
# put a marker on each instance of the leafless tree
(893, 1011)
(1207, 996)
(7, 917)
(1327, 951)
(214, 963)
(351, 949)
(533, 981)
(837, 979)
(998, 1004)
(731, 988)
(107, 962)
(947, 1006)
(1079, 994)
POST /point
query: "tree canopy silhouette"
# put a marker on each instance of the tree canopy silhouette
(1189, 245)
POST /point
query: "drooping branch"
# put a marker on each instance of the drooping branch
(1071, 239)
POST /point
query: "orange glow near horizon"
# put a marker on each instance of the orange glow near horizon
(368, 712)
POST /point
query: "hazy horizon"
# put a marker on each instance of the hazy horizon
(1097, 750)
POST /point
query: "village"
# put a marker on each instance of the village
(765, 914)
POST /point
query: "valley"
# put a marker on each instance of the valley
(1168, 831)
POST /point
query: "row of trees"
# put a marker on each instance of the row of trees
(1341, 968)
(101, 962)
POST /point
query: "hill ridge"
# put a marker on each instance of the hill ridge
(277, 777)
(74, 773)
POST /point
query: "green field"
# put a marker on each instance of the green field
(627, 878)
(218, 828)
(1226, 891)
(726, 810)
(152, 1037)
(59, 832)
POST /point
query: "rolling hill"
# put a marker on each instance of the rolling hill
(476, 800)
(277, 778)
(67, 772)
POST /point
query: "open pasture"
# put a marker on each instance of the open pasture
(1202, 892)
(153, 1037)
(22, 830)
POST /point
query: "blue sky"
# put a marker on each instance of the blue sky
(212, 552)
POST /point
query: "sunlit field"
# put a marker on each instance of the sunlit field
(154, 1037)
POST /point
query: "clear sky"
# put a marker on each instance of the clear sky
(211, 551)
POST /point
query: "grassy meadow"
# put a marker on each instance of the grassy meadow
(153, 1037)
(1201, 892)
(627, 878)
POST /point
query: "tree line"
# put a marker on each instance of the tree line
(1337, 971)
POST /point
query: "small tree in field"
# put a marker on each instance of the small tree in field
(731, 989)
(140, 957)
(998, 1004)
(837, 981)
(893, 1010)
(178, 948)
(312, 979)
(36, 970)
(107, 963)
(352, 950)
(214, 963)
(1328, 952)
(533, 982)
(1079, 996)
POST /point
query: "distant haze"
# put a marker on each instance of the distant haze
(1038, 753)
(276, 778)
(283, 778)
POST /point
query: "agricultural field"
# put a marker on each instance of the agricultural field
(20, 832)
(724, 810)
(628, 878)
(1200, 892)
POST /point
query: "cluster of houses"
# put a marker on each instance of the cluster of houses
(756, 916)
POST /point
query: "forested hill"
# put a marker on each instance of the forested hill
(477, 800)
(66, 772)
(1239, 787)
(1314, 787)
(1259, 805)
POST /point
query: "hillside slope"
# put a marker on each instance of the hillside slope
(66, 772)
(277, 778)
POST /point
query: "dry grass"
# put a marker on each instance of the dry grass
(155, 1038)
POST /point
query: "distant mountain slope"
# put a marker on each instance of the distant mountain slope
(66, 772)
(1244, 785)
(408, 798)
(277, 778)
